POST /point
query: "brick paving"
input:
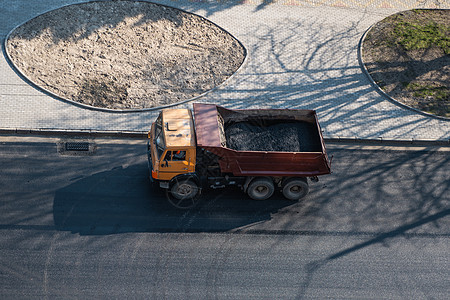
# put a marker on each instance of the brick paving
(302, 54)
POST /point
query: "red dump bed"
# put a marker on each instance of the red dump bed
(241, 138)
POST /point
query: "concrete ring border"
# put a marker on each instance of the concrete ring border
(110, 110)
(380, 90)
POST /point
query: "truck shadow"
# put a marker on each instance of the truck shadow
(122, 200)
(369, 194)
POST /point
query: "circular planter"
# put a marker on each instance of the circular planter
(124, 56)
(379, 89)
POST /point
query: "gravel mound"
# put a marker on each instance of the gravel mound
(281, 137)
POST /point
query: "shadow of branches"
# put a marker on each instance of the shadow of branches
(377, 191)
(87, 18)
(378, 199)
(307, 63)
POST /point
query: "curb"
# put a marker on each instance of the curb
(391, 142)
(109, 110)
(78, 133)
(380, 90)
(143, 135)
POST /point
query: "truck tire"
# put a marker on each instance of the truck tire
(183, 194)
(261, 188)
(295, 188)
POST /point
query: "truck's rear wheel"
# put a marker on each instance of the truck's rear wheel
(261, 188)
(183, 194)
(295, 188)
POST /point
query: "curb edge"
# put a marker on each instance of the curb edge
(143, 135)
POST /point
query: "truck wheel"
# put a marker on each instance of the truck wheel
(183, 194)
(295, 188)
(261, 189)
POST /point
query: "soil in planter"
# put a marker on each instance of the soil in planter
(124, 54)
(408, 56)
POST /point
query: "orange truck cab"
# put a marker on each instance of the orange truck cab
(172, 150)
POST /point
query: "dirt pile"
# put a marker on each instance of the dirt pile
(281, 137)
(124, 54)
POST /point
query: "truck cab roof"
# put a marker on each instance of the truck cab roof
(178, 128)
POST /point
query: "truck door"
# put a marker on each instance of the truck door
(175, 162)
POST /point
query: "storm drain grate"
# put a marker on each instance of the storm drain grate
(77, 146)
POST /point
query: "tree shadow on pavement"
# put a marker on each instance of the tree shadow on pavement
(313, 267)
(306, 63)
(379, 202)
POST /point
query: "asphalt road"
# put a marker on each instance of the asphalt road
(90, 226)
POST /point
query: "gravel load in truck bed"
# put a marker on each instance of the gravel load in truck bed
(281, 137)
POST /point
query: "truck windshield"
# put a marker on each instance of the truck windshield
(159, 137)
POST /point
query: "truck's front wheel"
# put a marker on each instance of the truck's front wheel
(261, 188)
(295, 188)
(183, 194)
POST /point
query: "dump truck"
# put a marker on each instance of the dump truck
(259, 150)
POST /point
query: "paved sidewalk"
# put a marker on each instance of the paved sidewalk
(302, 54)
